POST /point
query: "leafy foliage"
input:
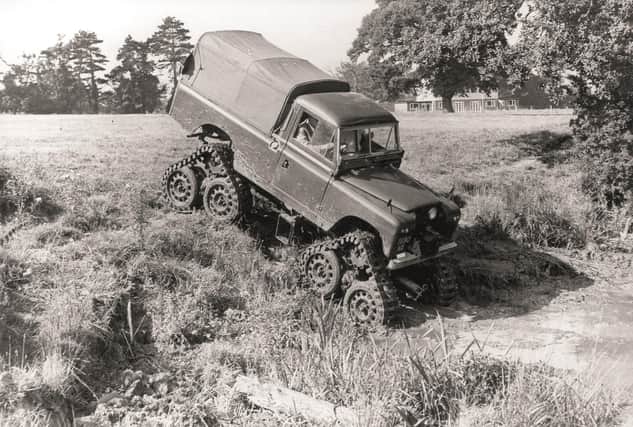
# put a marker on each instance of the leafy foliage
(586, 48)
(381, 82)
(451, 46)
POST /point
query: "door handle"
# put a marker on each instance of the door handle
(285, 164)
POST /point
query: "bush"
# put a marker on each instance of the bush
(605, 132)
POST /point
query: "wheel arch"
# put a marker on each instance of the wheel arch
(351, 223)
(209, 130)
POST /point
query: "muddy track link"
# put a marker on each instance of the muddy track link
(445, 285)
(212, 160)
(359, 252)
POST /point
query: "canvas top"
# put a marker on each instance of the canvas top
(243, 73)
(346, 109)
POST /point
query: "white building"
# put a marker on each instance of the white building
(475, 102)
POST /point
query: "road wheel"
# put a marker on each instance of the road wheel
(323, 271)
(181, 188)
(364, 304)
(445, 287)
(221, 200)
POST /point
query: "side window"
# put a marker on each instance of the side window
(324, 140)
(316, 135)
(189, 66)
(304, 133)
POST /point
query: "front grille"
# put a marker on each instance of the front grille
(442, 225)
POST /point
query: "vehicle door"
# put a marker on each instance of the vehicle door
(306, 163)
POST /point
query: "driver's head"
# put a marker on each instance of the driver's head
(348, 142)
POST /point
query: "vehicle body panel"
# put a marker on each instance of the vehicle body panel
(392, 185)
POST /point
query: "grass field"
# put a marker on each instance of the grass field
(114, 308)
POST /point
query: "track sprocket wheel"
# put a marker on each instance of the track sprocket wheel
(323, 272)
(221, 200)
(181, 188)
(445, 287)
(365, 304)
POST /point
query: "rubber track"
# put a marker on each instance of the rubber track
(374, 264)
(214, 160)
(446, 287)
(9, 235)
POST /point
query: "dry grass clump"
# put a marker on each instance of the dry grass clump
(19, 197)
(611, 226)
(56, 234)
(438, 387)
(529, 213)
(538, 395)
(196, 311)
(99, 212)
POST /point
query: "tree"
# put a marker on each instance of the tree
(381, 82)
(136, 88)
(88, 62)
(450, 46)
(22, 92)
(586, 48)
(64, 89)
(171, 45)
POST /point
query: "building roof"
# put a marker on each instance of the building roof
(346, 109)
(242, 72)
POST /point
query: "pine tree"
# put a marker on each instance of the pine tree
(170, 44)
(136, 88)
(88, 61)
(56, 73)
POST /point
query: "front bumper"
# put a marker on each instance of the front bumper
(407, 259)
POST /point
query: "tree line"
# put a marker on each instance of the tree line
(71, 76)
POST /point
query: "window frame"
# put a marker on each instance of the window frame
(395, 136)
(305, 149)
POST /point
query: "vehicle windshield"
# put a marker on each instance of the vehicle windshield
(377, 139)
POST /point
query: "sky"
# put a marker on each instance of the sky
(319, 30)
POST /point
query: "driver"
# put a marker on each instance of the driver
(305, 131)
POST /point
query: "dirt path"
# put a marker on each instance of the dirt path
(577, 330)
(582, 323)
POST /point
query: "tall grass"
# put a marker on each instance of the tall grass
(529, 213)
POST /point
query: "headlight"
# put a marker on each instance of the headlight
(432, 213)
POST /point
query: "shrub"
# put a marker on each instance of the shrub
(604, 128)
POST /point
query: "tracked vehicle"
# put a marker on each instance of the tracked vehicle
(275, 126)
